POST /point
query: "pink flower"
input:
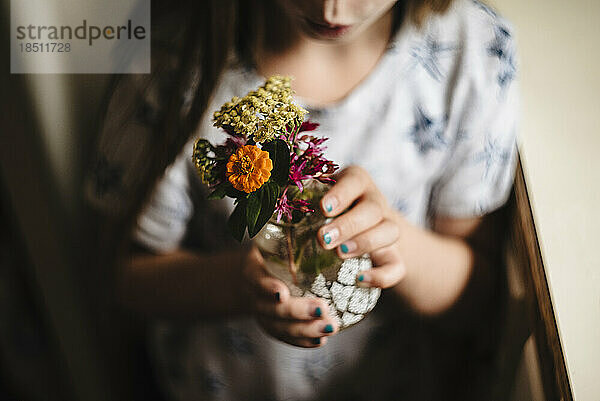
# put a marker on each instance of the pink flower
(302, 206)
(308, 126)
(297, 166)
(308, 162)
(284, 206)
(313, 145)
(235, 142)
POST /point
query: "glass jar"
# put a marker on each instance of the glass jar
(293, 255)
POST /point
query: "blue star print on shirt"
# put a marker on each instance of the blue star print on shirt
(427, 55)
(401, 205)
(493, 154)
(428, 133)
(501, 47)
(507, 72)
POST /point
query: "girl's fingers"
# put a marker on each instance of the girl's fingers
(305, 342)
(360, 218)
(382, 235)
(385, 276)
(272, 297)
(292, 308)
(261, 283)
(351, 184)
(269, 287)
(389, 270)
(303, 322)
(310, 342)
(300, 329)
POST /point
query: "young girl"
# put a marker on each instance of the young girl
(418, 100)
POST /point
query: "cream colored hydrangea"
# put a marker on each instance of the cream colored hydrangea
(263, 113)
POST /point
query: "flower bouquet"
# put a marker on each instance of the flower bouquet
(276, 171)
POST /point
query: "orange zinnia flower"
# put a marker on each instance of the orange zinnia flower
(249, 168)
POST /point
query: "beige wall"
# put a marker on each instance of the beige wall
(559, 43)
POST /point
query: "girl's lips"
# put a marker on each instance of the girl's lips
(328, 31)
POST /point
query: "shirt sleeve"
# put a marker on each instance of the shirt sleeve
(162, 223)
(479, 173)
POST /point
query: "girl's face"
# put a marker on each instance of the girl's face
(335, 20)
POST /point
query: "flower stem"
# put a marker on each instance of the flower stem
(290, 250)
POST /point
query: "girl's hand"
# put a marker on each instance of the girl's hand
(370, 226)
(304, 322)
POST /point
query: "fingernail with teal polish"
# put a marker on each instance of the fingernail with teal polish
(327, 238)
(277, 297)
(318, 312)
(330, 203)
(316, 341)
(344, 248)
(361, 277)
(328, 329)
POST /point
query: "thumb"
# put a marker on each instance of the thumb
(388, 270)
(262, 283)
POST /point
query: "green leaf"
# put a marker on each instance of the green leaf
(237, 220)
(235, 193)
(268, 199)
(279, 153)
(253, 208)
(220, 191)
